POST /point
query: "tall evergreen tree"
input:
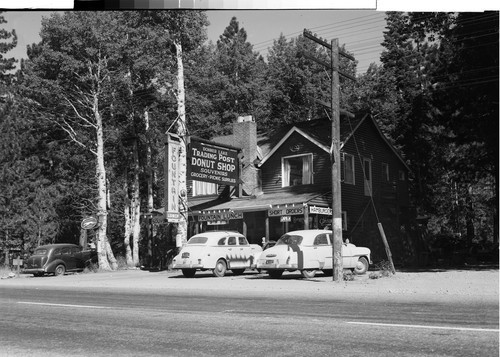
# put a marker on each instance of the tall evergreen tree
(8, 41)
(238, 84)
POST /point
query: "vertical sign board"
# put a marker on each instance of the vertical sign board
(172, 178)
(213, 163)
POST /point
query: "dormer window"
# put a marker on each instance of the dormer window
(297, 170)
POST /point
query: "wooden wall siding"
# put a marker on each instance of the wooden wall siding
(372, 146)
(271, 169)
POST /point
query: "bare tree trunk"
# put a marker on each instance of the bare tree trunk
(181, 237)
(128, 226)
(135, 207)
(104, 252)
(150, 203)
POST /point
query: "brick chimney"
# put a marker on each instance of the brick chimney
(245, 137)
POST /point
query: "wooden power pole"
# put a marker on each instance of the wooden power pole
(333, 47)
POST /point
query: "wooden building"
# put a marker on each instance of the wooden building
(286, 185)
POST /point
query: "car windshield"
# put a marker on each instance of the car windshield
(198, 240)
(289, 240)
(41, 251)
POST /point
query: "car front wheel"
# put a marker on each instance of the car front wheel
(188, 273)
(59, 270)
(361, 266)
(275, 273)
(308, 274)
(220, 268)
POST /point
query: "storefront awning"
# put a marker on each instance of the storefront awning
(265, 202)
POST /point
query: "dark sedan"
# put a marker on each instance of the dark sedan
(58, 259)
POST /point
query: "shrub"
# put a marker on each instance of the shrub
(384, 268)
(348, 275)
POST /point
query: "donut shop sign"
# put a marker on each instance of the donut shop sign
(211, 162)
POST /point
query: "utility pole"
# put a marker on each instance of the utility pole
(335, 147)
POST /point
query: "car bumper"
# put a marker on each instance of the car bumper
(272, 266)
(187, 266)
(33, 271)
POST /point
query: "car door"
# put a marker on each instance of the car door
(233, 253)
(322, 249)
(78, 256)
(245, 251)
(68, 258)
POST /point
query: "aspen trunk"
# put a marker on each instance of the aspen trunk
(128, 226)
(150, 203)
(181, 237)
(102, 193)
(135, 206)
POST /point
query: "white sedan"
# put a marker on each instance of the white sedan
(310, 251)
(217, 251)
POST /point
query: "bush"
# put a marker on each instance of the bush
(348, 275)
(384, 267)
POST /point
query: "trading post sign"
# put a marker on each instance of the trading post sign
(172, 178)
(213, 163)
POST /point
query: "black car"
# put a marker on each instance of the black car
(58, 259)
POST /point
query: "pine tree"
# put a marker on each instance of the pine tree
(8, 41)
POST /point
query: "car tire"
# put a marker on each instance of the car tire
(238, 271)
(361, 266)
(220, 268)
(188, 273)
(328, 272)
(275, 274)
(60, 270)
(308, 273)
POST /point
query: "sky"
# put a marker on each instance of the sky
(360, 30)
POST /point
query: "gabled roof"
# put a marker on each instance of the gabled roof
(287, 135)
(318, 132)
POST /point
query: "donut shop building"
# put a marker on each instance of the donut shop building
(284, 183)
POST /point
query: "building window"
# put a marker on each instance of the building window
(347, 170)
(201, 188)
(385, 172)
(367, 172)
(402, 175)
(344, 220)
(297, 170)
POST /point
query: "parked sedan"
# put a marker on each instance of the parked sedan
(58, 259)
(310, 251)
(217, 251)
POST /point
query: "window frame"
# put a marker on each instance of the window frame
(368, 183)
(386, 177)
(353, 168)
(344, 220)
(286, 175)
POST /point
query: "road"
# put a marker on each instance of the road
(84, 321)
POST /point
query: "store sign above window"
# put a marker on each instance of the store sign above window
(320, 210)
(285, 211)
(212, 163)
(219, 216)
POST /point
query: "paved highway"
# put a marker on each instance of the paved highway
(85, 321)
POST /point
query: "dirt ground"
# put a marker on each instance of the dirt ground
(475, 283)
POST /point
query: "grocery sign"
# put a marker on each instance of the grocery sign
(213, 163)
